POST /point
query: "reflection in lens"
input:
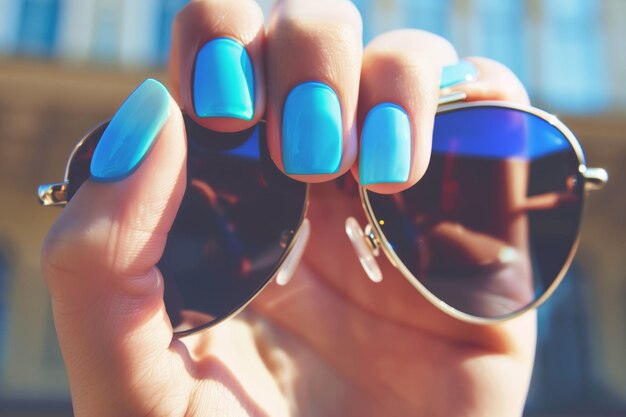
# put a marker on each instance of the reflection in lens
(490, 226)
(229, 234)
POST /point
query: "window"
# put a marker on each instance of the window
(38, 26)
(169, 9)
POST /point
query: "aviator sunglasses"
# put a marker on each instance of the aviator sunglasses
(486, 235)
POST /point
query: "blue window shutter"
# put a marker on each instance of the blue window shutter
(38, 27)
(430, 15)
(573, 67)
(500, 32)
(169, 9)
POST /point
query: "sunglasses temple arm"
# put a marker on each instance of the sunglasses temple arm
(53, 194)
(595, 178)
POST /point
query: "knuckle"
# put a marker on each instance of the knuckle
(312, 21)
(72, 251)
(495, 67)
(348, 15)
(53, 256)
(413, 44)
(497, 81)
(58, 260)
(218, 15)
(392, 65)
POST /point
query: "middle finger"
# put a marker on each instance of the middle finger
(314, 64)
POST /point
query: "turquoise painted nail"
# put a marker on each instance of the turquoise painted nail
(223, 83)
(312, 130)
(457, 73)
(131, 132)
(385, 145)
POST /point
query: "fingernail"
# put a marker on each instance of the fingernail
(458, 73)
(312, 130)
(385, 146)
(223, 83)
(131, 132)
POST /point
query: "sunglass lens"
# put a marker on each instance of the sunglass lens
(233, 228)
(495, 219)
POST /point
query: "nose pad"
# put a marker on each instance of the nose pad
(293, 259)
(364, 251)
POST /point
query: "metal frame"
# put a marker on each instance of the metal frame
(270, 278)
(56, 195)
(594, 178)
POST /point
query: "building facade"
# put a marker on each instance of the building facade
(91, 53)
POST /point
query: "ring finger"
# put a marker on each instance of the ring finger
(397, 104)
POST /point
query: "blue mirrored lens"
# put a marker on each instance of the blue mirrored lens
(494, 220)
(493, 132)
(232, 228)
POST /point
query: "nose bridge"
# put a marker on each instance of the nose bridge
(292, 260)
(365, 247)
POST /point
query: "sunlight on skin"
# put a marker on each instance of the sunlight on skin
(329, 343)
(386, 340)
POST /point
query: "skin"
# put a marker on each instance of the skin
(330, 343)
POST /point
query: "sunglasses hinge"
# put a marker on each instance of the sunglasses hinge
(53, 194)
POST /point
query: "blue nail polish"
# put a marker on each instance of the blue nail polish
(131, 132)
(312, 130)
(385, 146)
(223, 83)
(457, 73)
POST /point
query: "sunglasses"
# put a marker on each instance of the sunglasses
(486, 235)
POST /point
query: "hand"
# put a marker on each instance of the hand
(331, 342)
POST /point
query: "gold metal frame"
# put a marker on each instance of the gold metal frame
(270, 279)
(55, 194)
(594, 178)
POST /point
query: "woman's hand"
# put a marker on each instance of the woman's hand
(331, 342)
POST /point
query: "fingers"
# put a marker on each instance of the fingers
(99, 258)
(217, 63)
(314, 60)
(384, 354)
(397, 105)
(314, 55)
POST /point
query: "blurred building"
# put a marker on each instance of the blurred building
(108, 31)
(568, 52)
(66, 64)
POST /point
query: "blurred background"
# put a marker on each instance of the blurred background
(66, 64)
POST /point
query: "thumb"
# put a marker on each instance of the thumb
(99, 257)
